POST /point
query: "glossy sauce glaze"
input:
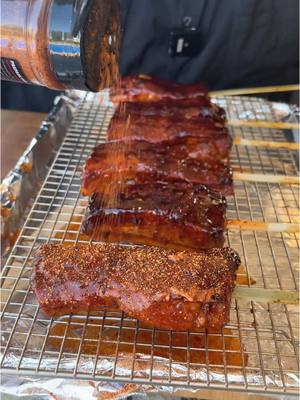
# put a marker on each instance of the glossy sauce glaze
(144, 88)
(146, 162)
(209, 113)
(180, 215)
(205, 141)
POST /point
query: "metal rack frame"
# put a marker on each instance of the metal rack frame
(256, 352)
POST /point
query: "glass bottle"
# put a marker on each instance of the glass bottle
(60, 43)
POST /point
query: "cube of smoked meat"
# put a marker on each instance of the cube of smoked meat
(209, 113)
(113, 163)
(173, 216)
(144, 88)
(204, 141)
(166, 289)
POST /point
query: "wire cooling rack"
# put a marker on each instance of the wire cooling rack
(256, 352)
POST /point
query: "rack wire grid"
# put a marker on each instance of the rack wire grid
(255, 352)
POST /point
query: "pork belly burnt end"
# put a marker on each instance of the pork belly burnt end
(210, 112)
(144, 88)
(163, 288)
(204, 141)
(174, 216)
(143, 162)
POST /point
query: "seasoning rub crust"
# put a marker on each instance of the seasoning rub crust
(168, 289)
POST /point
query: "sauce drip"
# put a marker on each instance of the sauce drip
(211, 348)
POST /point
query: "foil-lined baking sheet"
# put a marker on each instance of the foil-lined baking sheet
(111, 355)
(21, 184)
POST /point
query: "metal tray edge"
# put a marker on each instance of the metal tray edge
(21, 184)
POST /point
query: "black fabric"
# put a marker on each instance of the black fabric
(244, 42)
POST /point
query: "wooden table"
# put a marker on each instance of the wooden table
(17, 130)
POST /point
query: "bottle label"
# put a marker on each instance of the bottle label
(11, 70)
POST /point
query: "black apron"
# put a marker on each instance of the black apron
(241, 42)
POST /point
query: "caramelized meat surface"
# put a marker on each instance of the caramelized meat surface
(166, 289)
(142, 162)
(172, 216)
(204, 141)
(144, 88)
(210, 112)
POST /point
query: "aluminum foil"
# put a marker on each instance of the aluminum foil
(66, 389)
(18, 191)
(20, 186)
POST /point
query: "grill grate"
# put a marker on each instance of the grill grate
(256, 352)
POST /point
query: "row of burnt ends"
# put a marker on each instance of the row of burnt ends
(152, 193)
(162, 176)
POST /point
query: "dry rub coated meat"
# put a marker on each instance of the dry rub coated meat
(142, 162)
(166, 289)
(173, 216)
(144, 88)
(204, 141)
